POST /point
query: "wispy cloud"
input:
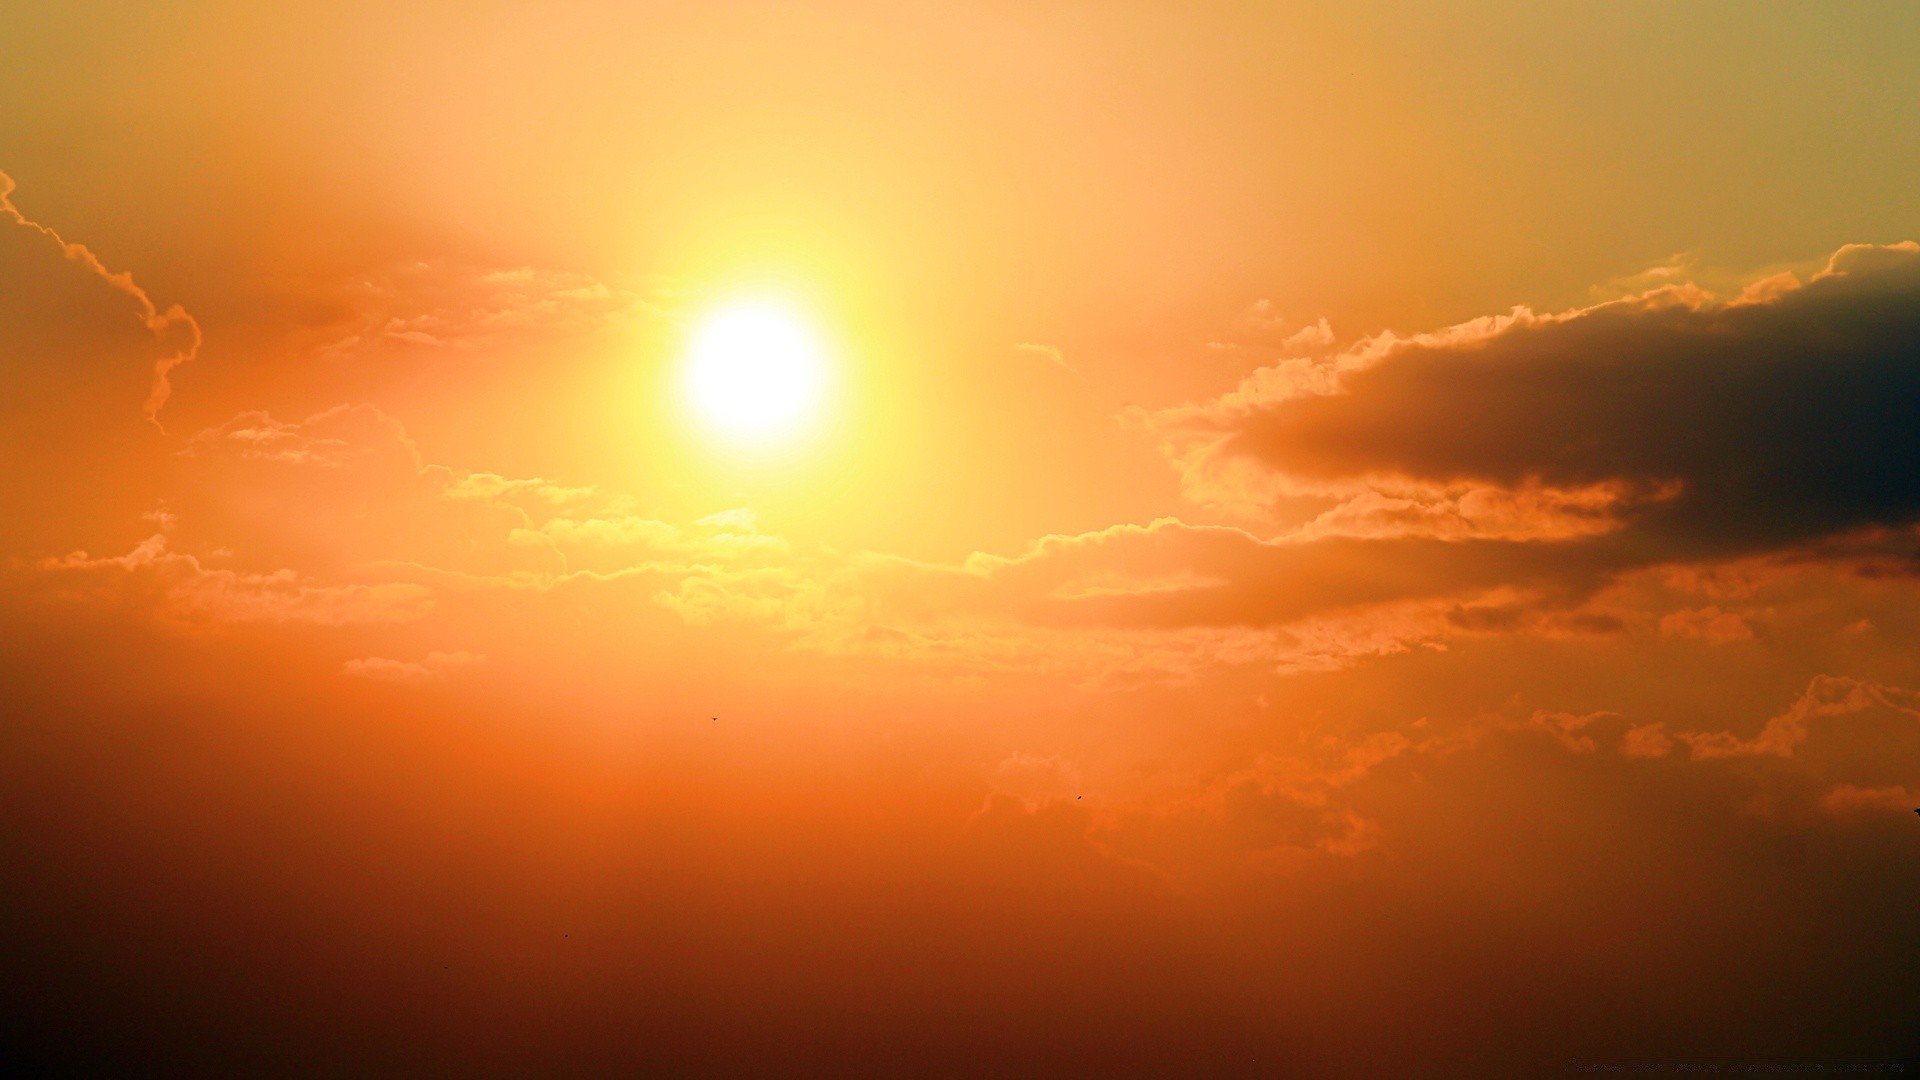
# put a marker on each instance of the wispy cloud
(166, 324)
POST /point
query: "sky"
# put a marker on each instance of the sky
(1269, 539)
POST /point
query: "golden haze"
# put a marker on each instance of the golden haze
(994, 539)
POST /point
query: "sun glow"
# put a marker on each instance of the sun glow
(755, 373)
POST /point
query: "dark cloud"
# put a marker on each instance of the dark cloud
(1783, 417)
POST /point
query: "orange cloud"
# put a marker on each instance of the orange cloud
(468, 309)
(180, 588)
(1646, 741)
(1046, 353)
(1708, 624)
(1826, 697)
(436, 667)
(1848, 800)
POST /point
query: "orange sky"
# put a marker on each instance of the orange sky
(1335, 540)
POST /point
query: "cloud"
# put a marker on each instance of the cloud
(1719, 427)
(1476, 523)
(1047, 353)
(169, 325)
(1553, 454)
(1825, 697)
(463, 308)
(1708, 624)
(436, 667)
(1646, 741)
(1565, 728)
(344, 435)
(1117, 606)
(1531, 512)
(1484, 520)
(1036, 780)
(1848, 800)
(348, 487)
(180, 588)
(1291, 803)
(1262, 329)
(1173, 574)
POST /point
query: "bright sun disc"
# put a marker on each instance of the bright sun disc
(755, 373)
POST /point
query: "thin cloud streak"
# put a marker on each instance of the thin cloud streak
(161, 323)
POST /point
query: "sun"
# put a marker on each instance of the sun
(755, 373)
